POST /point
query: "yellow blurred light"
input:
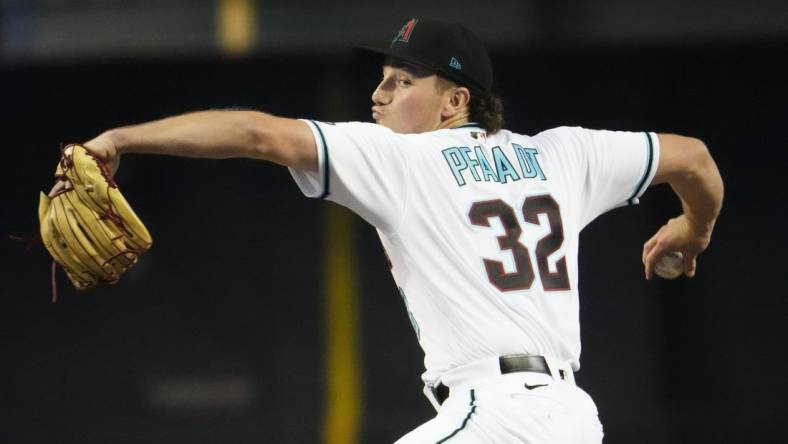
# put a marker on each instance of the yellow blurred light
(236, 26)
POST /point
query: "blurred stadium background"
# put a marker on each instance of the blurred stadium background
(263, 316)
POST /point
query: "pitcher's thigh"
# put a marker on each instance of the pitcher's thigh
(547, 417)
(544, 415)
(454, 423)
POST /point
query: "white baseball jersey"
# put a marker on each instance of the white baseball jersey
(482, 230)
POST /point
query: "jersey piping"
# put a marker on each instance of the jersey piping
(465, 421)
(641, 188)
(467, 125)
(324, 150)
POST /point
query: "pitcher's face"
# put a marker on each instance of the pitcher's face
(407, 100)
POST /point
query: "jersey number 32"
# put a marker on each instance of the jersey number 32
(523, 276)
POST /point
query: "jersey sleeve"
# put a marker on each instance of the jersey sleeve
(361, 166)
(611, 168)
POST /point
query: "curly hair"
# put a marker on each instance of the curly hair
(486, 109)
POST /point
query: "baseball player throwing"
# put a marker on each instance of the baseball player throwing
(481, 224)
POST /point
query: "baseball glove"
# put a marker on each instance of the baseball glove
(88, 226)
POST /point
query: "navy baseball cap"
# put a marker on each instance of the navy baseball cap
(448, 49)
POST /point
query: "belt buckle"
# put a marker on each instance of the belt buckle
(521, 362)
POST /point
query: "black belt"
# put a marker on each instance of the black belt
(507, 364)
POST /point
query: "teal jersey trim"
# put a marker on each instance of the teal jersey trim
(467, 125)
(464, 421)
(326, 176)
(642, 183)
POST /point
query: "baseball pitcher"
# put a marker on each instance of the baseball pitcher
(481, 224)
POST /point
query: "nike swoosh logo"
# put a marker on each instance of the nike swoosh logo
(531, 387)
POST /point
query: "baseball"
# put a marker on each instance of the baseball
(670, 265)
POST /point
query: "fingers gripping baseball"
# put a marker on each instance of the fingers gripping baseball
(677, 235)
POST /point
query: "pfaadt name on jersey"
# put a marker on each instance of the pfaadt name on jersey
(465, 162)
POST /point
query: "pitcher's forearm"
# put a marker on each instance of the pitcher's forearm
(700, 189)
(206, 134)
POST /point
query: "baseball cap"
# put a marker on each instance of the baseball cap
(446, 48)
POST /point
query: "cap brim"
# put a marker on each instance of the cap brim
(370, 53)
(378, 55)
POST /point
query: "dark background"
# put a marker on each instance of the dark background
(230, 294)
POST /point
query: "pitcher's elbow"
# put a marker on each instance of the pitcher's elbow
(257, 135)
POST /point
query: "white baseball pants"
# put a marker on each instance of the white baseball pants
(525, 407)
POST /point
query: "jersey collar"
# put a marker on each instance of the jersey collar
(473, 129)
(467, 125)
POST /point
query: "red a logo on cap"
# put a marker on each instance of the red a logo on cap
(404, 33)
